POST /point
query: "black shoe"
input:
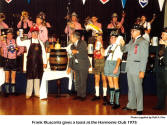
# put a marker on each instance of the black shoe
(70, 92)
(126, 108)
(16, 94)
(111, 103)
(13, 90)
(6, 87)
(82, 98)
(115, 106)
(95, 98)
(139, 112)
(6, 94)
(77, 98)
(105, 101)
(158, 107)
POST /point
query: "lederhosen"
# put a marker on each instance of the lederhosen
(34, 61)
(10, 64)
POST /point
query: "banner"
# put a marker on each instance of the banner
(28, 1)
(123, 3)
(104, 1)
(143, 3)
(83, 2)
(8, 1)
(161, 3)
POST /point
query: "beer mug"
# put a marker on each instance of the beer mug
(21, 32)
(154, 41)
(98, 45)
(90, 48)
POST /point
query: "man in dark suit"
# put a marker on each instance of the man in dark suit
(161, 71)
(80, 64)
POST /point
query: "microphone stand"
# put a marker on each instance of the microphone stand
(68, 13)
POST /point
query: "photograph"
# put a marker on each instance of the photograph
(83, 62)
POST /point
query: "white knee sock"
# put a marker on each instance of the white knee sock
(104, 91)
(97, 90)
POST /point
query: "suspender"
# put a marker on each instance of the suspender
(112, 51)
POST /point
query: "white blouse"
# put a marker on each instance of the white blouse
(117, 53)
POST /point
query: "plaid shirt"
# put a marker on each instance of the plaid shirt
(8, 52)
(43, 33)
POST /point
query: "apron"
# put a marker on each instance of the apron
(34, 61)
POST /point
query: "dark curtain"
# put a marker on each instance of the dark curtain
(56, 10)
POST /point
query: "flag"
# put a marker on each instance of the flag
(123, 3)
(161, 3)
(143, 3)
(28, 1)
(104, 1)
(83, 2)
(8, 1)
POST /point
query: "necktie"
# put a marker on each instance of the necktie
(133, 40)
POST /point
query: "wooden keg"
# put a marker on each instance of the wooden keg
(58, 59)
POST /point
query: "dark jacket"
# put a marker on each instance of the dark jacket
(82, 57)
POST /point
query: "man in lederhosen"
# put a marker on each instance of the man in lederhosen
(36, 61)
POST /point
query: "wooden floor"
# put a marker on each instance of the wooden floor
(18, 105)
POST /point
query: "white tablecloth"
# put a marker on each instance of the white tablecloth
(2, 76)
(52, 75)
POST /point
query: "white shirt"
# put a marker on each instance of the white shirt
(68, 49)
(117, 53)
(146, 25)
(76, 43)
(27, 44)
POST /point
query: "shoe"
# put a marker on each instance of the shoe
(70, 92)
(6, 94)
(111, 103)
(82, 98)
(115, 106)
(37, 96)
(6, 87)
(16, 94)
(28, 97)
(45, 99)
(95, 98)
(105, 101)
(77, 98)
(13, 90)
(139, 112)
(126, 108)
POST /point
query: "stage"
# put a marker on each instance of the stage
(65, 105)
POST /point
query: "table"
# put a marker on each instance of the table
(53, 75)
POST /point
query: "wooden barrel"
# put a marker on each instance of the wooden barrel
(58, 59)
